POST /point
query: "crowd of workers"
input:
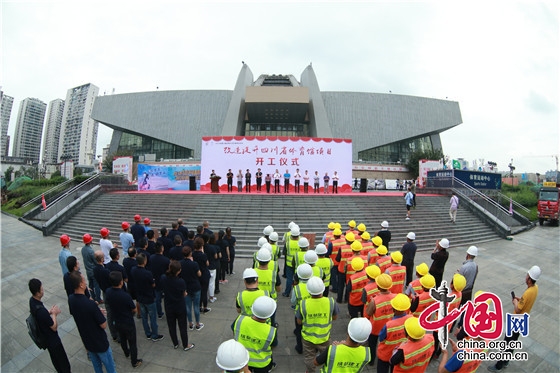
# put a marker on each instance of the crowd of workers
(183, 269)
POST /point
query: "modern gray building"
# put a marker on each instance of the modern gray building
(29, 129)
(52, 131)
(6, 103)
(384, 128)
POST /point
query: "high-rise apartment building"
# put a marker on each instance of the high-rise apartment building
(6, 103)
(52, 131)
(29, 128)
(78, 134)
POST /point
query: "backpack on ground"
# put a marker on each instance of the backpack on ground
(35, 333)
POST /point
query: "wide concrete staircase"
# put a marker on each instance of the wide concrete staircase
(247, 215)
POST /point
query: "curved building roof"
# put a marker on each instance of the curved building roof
(182, 118)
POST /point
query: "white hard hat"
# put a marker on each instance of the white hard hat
(263, 307)
(385, 224)
(232, 355)
(310, 257)
(411, 236)
(534, 272)
(315, 286)
(250, 273)
(268, 230)
(303, 242)
(472, 250)
(444, 242)
(262, 241)
(273, 236)
(263, 255)
(359, 329)
(304, 271)
(267, 246)
(321, 249)
(291, 225)
(294, 231)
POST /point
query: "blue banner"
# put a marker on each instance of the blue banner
(164, 177)
(475, 179)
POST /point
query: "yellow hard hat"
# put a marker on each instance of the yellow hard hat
(381, 250)
(362, 227)
(396, 256)
(413, 328)
(337, 225)
(428, 281)
(422, 269)
(384, 281)
(377, 241)
(459, 282)
(350, 237)
(488, 301)
(357, 264)
(373, 271)
(352, 224)
(337, 232)
(331, 225)
(365, 236)
(356, 246)
(400, 302)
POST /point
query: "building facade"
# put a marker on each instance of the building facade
(6, 103)
(78, 133)
(29, 129)
(384, 128)
(52, 131)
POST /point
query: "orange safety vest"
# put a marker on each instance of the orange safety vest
(366, 248)
(395, 336)
(371, 290)
(417, 287)
(425, 300)
(417, 354)
(383, 262)
(328, 238)
(349, 270)
(454, 305)
(470, 366)
(337, 243)
(352, 230)
(383, 312)
(345, 253)
(372, 256)
(358, 281)
(398, 274)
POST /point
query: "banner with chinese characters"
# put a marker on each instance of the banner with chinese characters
(168, 176)
(284, 155)
(123, 165)
(475, 179)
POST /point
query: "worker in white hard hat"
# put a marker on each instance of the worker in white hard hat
(439, 257)
(257, 335)
(291, 249)
(385, 233)
(315, 315)
(303, 244)
(245, 299)
(269, 279)
(469, 269)
(326, 264)
(273, 241)
(232, 357)
(349, 353)
(303, 273)
(521, 306)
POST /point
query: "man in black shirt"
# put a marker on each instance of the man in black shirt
(175, 231)
(176, 252)
(181, 228)
(385, 233)
(101, 275)
(229, 176)
(247, 181)
(123, 309)
(258, 175)
(409, 252)
(137, 230)
(165, 240)
(159, 265)
(128, 263)
(145, 285)
(48, 325)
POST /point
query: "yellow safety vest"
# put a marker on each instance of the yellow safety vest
(292, 249)
(257, 338)
(301, 293)
(326, 265)
(342, 359)
(267, 281)
(246, 298)
(317, 319)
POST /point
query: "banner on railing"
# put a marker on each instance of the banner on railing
(474, 179)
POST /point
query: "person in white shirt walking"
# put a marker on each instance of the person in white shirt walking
(454, 205)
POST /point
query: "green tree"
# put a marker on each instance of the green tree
(8, 174)
(433, 155)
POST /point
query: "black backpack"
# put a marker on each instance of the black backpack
(35, 333)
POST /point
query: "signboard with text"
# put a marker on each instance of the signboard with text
(123, 165)
(167, 176)
(321, 155)
(475, 179)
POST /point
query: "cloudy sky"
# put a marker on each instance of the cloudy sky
(499, 60)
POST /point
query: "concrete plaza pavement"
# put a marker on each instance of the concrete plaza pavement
(25, 253)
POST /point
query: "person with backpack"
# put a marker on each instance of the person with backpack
(44, 332)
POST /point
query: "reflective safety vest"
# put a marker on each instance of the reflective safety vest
(267, 280)
(291, 250)
(417, 354)
(337, 243)
(425, 300)
(372, 256)
(317, 319)
(349, 270)
(345, 253)
(358, 281)
(275, 252)
(369, 291)
(325, 264)
(318, 271)
(454, 305)
(395, 336)
(383, 262)
(345, 359)
(398, 274)
(366, 248)
(301, 293)
(417, 287)
(383, 312)
(352, 230)
(246, 298)
(298, 258)
(328, 237)
(257, 338)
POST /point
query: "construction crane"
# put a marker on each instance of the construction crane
(545, 156)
